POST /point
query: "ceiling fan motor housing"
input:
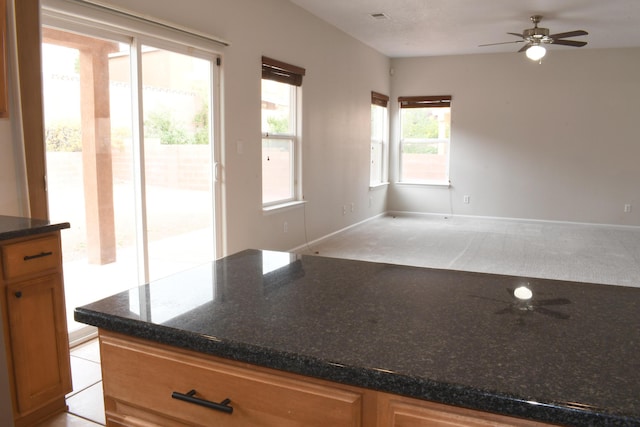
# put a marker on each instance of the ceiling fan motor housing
(537, 35)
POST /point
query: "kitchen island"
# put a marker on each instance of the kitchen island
(364, 333)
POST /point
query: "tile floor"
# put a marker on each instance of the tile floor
(86, 406)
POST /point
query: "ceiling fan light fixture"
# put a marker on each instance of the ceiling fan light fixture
(536, 52)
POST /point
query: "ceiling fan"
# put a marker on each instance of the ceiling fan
(534, 39)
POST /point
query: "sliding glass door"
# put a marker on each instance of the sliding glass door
(130, 159)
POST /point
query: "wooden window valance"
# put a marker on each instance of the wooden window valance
(379, 99)
(282, 72)
(424, 101)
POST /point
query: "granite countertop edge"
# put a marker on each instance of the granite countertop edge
(33, 230)
(421, 388)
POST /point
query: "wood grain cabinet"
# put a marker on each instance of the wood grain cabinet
(396, 411)
(149, 384)
(32, 303)
(155, 385)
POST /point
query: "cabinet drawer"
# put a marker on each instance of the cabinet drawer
(140, 380)
(30, 256)
(406, 412)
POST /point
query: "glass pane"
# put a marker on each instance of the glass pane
(425, 123)
(277, 108)
(425, 162)
(378, 137)
(377, 122)
(89, 175)
(277, 170)
(178, 160)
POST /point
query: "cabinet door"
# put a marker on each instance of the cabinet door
(39, 346)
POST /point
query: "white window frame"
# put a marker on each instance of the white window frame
(295, 115)
(427, 103)
(295, 149)
(383, 144)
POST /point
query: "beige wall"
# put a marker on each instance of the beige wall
(11, 163)
(556, 141)
(9, 199)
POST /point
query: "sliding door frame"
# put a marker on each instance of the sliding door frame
(61, 15)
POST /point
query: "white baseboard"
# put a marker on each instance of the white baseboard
(510, 219)
(449, 216)
(316, 241)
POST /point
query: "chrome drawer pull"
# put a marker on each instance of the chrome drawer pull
(40, 255)
(190, 397)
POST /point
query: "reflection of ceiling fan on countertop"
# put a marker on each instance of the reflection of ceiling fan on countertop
(534, 39)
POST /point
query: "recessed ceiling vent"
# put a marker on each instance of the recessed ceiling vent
(379, 16)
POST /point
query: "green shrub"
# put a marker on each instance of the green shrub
(63, 137)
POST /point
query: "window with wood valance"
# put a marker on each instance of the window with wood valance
(282, 72)
(424, 101)
(379, 99)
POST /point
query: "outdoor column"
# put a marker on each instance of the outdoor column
(96, 153)
(96, 140)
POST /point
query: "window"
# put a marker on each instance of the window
(425, 129)
(379, 136)
(280, 141)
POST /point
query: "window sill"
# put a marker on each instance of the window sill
(270, 210)
(378, 186)
(436, 184)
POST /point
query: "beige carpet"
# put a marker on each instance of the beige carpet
(577, 252)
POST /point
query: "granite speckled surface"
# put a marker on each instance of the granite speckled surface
(570, 355)
(12, 227)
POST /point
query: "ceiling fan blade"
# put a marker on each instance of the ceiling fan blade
(573, 43)
(525, 47)
(552, 313)
(516, 34)
(493, 44)
(569, 34)
(553, 301)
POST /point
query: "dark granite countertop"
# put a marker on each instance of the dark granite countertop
(569, 355)
(12, 227)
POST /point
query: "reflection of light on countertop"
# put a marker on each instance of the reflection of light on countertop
(385, 371)
(273, 260)
(523, 293)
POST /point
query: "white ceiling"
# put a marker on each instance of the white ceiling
(455, 27)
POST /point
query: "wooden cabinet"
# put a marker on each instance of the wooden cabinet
(396, 411)
(32, 303)
(145, 384)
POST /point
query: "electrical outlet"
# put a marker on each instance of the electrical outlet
(466, 200)
(344, 210)
(627, 208)
(353, 207)
(285, 227)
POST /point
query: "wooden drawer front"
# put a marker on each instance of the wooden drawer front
(31, 256)
(405, 412)
(139, 381)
